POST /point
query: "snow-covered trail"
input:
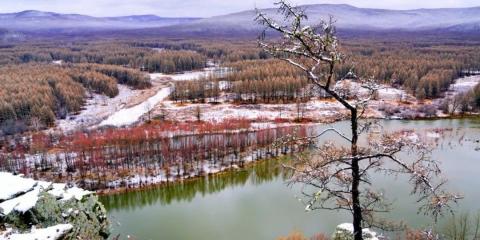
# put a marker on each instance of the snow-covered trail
(131, 115)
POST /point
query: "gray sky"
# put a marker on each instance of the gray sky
(201, 8)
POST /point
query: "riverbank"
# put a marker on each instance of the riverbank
(233, 170)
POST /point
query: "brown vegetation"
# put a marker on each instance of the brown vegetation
(94, 159)
(39, 93)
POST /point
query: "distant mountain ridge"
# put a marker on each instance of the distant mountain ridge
(347, 18)
(38, 20)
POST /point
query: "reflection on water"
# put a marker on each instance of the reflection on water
(256, 174)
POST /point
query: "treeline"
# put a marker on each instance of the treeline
(224, 51)
(251, 81)
(174, 61)
(122, 75)
(34, 95)
(111, 53)
(196, 90)
(425, 70)
(107, 158)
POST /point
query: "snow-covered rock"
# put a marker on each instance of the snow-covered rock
(12, 185)
(32, 209)
(50, 233)
(344, 231)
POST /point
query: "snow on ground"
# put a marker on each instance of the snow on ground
(11, 185)
(390, 93)
(345, 231)
(102, 110)
(316, 109)
(131, 115)
(50, 233)
(192, 75)
(464, 84)
(61, 191)
(98, 108)
(21, 194)
(22, 203)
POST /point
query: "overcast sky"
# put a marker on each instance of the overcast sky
(201, 8)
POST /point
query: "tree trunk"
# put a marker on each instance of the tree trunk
(357, 210)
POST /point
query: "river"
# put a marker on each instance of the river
(255, 203)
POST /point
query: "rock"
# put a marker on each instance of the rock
(50, 211)
(345, 232)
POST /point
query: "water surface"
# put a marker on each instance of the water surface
(255, 203)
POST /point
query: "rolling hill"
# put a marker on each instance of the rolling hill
(348, 18)
(32, 20)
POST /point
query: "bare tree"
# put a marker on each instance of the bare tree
(333, 177)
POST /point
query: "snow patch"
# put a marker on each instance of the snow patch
(97, 108)
(11, 185)
(345, 231)
(54, 232)
(61, 191)
(464, 84)
(131, 115)
(22, 194)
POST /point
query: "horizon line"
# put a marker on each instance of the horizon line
(302, 5)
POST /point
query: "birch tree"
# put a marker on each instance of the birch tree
(337, 177)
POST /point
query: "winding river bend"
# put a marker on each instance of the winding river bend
(255, 203)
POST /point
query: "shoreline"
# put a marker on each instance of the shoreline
(122, 190)
(231, 170)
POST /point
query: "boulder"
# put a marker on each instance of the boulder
(32, 209)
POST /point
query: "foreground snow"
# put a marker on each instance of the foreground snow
(11, 185)
(21, 194)
(72, 212)
(54, 232)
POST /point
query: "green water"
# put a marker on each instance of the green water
(255, 203)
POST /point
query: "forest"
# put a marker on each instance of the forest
(104, 158)
(426, 71)
(116, 53)
(34, 95)
(36, 92)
